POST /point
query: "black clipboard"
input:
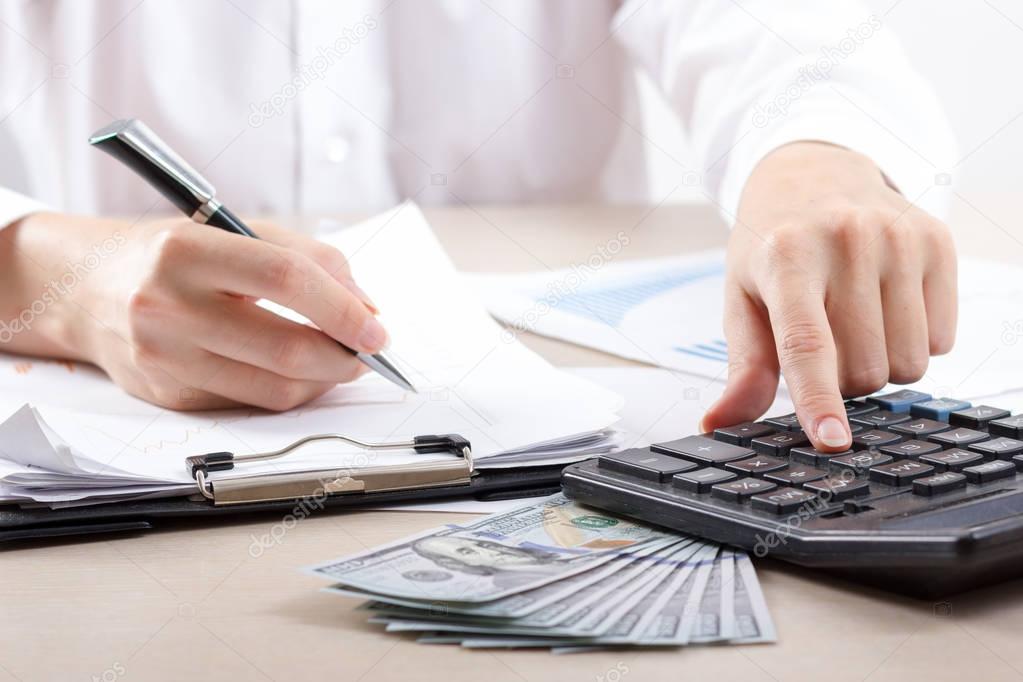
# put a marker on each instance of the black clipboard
(316, 491)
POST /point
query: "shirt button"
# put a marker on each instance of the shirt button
(337, 149)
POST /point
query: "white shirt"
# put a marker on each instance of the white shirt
(317, 106)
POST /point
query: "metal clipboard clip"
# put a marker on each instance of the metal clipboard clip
(266, 487)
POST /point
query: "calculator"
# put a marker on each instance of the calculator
(927, 502)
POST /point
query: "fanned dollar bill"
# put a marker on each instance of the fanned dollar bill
(556, 575)
(523, 603)
(500, 555)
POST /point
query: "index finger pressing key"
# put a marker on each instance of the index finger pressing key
(808, 359)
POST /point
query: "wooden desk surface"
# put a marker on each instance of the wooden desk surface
(189, 603)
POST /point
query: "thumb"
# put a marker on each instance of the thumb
(752, 364)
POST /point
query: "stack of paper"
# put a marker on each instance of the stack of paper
(668, 312)
(556, 575)
(72, 437)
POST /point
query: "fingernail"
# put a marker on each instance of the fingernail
(832, 432)
(373, 336)
(363, 296)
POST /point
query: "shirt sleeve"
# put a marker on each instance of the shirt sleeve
(14, 206)
(748, 76)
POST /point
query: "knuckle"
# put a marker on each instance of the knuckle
(784, 240)
(815, 399)
(281, 274)
(291, 352)
(287, 272)
(283, 395)
(865, 379)
(851, 229)
(939, 236)
(801, 340)
(172, 246)
(168, 396)
(142, 302)
(330, 259)
(906, 370)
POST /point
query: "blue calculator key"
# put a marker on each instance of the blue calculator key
(899, 401)
(938, 409)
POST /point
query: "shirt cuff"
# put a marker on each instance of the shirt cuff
(14, 206)
(919, 168)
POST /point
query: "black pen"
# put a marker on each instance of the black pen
(132, 143)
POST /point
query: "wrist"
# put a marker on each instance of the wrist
(47, 261)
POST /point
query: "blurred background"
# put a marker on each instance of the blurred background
(968, 50)
(971, 52)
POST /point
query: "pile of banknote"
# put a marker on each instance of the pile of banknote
(558, 575)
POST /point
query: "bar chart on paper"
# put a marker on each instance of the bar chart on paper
(664, 311)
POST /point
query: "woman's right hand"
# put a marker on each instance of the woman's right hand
(168, 308)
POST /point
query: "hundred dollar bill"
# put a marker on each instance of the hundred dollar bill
(752, 620)
(602, 619)
(714, 620)
(662, 615)
(500, 555)
(523, 603)
(555, 619)
(669, 620)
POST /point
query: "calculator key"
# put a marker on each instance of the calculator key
(813, 456)
(642, 463)
(796, 476)
(976, 417)
(838, 488)
(937, 484)
(701, 480)
(741, 434)
(1010, 427)
(902, 472)
(742, 489)
(859, 462)
(999, 448)
(875, 439)
(779, 443)
(703, 450)
(911, 449)
(920, 428)
(858, 407)
(757, 466)
(990, 471)
(782, 500)
(952, 460)
(938, 409)
(960, 437)
(786, 422)
(1018, 461)
(899, 401)
(880, 419)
